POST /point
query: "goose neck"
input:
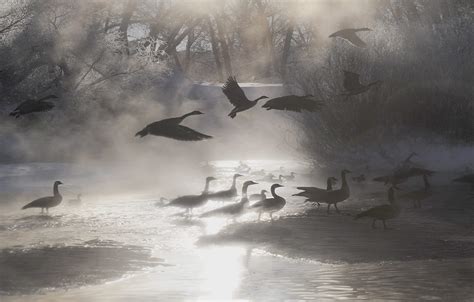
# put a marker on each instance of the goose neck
(274, 194)
(329, 184)
(56, 190)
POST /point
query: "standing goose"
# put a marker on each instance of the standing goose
(352, 84)
(237, 97)
(311, 193)
(349, 34)
(189, 202)
(329, 197)
(30, 106)
(383, 212)
(233, 210)
(469, 179)
(47, 202)
(270, 205)
(226, 195)
(290, 177)
(171, 128)
(76, 201)
(258, 197)
(294, 103)
(419, 195)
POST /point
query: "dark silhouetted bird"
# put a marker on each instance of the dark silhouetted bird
(47, 202)
(349, 34)
(294, 103)
(189, 202)
(237, 97)
(469, 179)
(226, 195)
(419, 195)
(259, 196)
(383, 212)
(30, 106)
(329, 197)
(311, 193)
(233, 210)
(269, 205)
(352, 84)
(171, 128)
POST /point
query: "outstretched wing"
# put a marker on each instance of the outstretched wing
(351, 80)
(234, 93)
(312, 192)
(293, 103)
(353, 38)
(184, 133)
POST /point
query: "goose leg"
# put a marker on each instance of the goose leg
(328, 207)
(373, 223)
(337, 210)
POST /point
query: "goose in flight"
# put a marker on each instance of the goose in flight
(294, 103)
(383, 212)
(30, 106)
(47, 202)
(350, 35)
(332, 197)
(189, 202)
(226, 195)
(352, 84)
(270, 205)
(314, 194)
(469, 179)
(237, 97)
(233, 210)
(171, 128)
(259, 196)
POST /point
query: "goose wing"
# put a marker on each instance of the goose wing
(353, 38)
(351, 80)
(312, 192)
(39, 203)
(234, 93)
(293, 103)
(178, 132)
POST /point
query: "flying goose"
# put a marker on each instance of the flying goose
(469, 179)
(258, 197)
(233, 210)
(237, 97)
(47, 202)
(349, 34)
(171, 128)
(294, 103)
(30, 106)
(419, 195)
(226, 195)
(189, 202)
(270, 205)
(311, 193)
(352, 84)
(383, 212)
(329, 197)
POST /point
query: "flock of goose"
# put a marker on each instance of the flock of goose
(172, 128)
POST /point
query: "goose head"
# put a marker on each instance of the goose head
(275, 186)
(237, 175)
(57, 183)
(210, 178)
(195, 112)
(249, 183)
(261, 98)
(263, 191)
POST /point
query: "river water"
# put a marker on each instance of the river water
(126, 248)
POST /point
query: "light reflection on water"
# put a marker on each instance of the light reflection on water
(216, 271)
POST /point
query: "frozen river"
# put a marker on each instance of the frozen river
(125, 248)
